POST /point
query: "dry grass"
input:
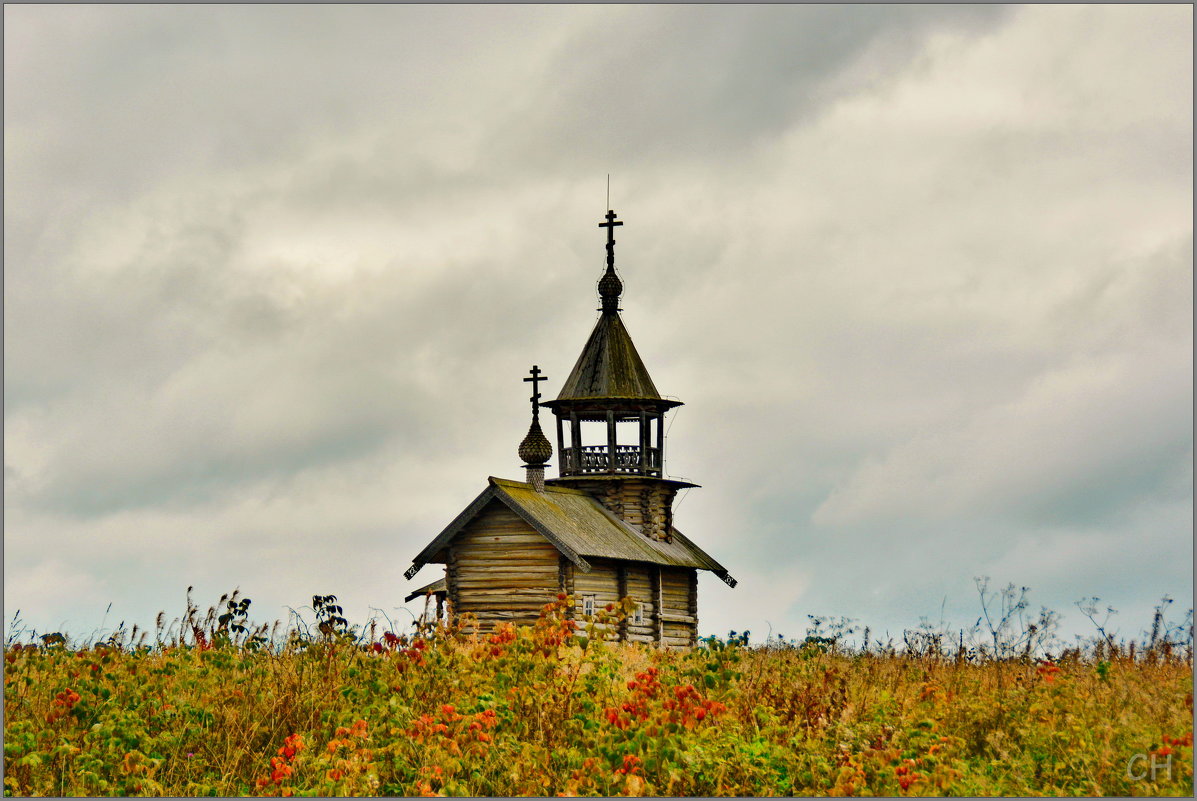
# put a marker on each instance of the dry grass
(541, 711)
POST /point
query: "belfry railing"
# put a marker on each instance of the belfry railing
(599, 459)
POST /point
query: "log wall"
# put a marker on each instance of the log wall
(501, 569)
(645, 504)
(678, 593)
(672, 590)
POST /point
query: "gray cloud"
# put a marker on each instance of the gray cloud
(921, 274)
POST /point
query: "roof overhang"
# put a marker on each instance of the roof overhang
(600, 406)
(491, 493)
(565, 481)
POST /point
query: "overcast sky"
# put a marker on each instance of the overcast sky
(922, 276)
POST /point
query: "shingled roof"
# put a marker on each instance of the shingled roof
(609, 366)
(436, 587)
(578, 526)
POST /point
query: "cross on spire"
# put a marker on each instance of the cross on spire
(536, 378)
(610, 226)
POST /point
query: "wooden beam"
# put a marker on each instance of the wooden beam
(694, 607)
(560, 445)
(575, 435)
(451, 580)
(658, 604)
(661, 444)
(621, 577)
(610, 441)
(644, 462)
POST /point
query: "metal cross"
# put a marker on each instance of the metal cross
(536, 378)
(610, 226)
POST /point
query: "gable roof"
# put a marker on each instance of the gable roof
(609, 366)
(578, 526)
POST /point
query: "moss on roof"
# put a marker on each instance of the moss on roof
(579, 526)
(609, 366)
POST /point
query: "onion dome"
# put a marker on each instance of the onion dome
(609, 289)
(535, 450)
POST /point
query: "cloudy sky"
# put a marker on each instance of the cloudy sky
(922, 276)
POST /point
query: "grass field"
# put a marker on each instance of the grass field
(545, 711)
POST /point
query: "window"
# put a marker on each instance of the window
(588, 604)
(638, 614)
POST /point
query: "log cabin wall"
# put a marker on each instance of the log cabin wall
(501, 569)
(639, 584)
(678, 593)
(641, 503)
(602, 582)
(673, 590)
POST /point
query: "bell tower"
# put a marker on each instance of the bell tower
(611, 420)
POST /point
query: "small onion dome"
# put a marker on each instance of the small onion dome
(535, 449)
(610, 288)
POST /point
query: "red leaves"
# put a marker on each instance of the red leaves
(281, 767)
(63, 703)
(1172, 743)
(1047, 670)
(281, 770)
(504, 635)
(906, 775)
(554, 627)
(414, 654)
(452, 729)
(631, 766)
(686, 707)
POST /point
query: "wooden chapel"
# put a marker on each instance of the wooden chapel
(603, 529)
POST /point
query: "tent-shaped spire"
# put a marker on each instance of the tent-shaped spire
(609, 366)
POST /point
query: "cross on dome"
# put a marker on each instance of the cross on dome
(535, 449)
(536, 378)
(610, 287)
